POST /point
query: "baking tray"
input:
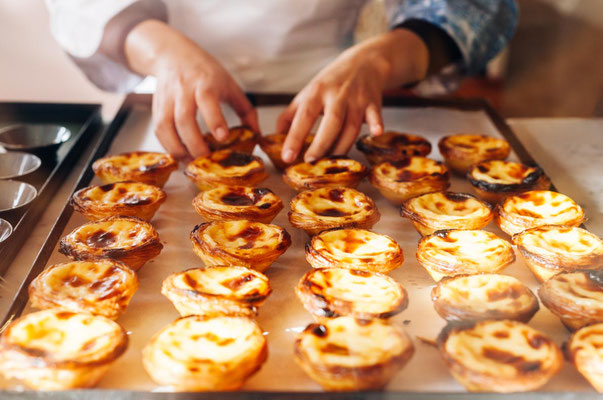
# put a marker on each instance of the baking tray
(282, 316)
(84, 120)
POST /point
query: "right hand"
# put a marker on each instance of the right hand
(188, 78)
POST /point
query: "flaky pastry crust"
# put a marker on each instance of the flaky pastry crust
(58, 350)
(131, 199)
(392, 146)
(499, 356)
(354, 248)
(138, 166)
(332, 171)
(482, 297)
(130, 240)
(197, 353)
(463, 150)
(100, 287)
(333, 292)
(436, 211)
(550, 249)
(272, 145)
(585, 351)
(237, 202)
(536, 208)
(325, 208)
(240, 138)
(345, 354)
(459, 252)
(249, 244)
(575, 297)
(226, 168)
(400, 180)
(217, 290)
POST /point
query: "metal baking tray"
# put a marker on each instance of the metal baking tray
(422, 375)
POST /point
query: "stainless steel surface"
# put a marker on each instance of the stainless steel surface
(5, 230)
(31, 137)
(15, 194)
(15, 163)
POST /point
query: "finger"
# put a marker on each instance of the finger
(300, 126)
(328, 131)
(248, 115)
(163, 120)
(283, 123)
(185, 118)
(209, 105)
(349, 133)
(374, 120)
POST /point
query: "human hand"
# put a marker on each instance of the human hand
(348, 92)
(188, 78)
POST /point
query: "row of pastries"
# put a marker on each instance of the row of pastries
(347, 292)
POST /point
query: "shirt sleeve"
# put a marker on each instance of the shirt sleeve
(480, 28)
(92, 33)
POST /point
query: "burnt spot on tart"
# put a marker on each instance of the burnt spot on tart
(101, 239)
(395, 144)
(236, 159)
(238, 136)
(526, 177)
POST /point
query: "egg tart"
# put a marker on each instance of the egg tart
(237, 202)
(325, 208)
(333, 292)
(585, 351)
(400, 180)
(392, 146)
(499, 356)
(272, 145)
(463, 150)
(550, 249)
(344, 353)
(496, 179)
(354, 248)
(575, 297)
(431, 212)
(126, 239)
(249, 244)
(240, 138)
(217, 290)
(132, 199)
(459, 252)
(483, 296)
(58, 350)
(197, 353)
(536, 208)
(138, 166)
(332, 171)
(101, 287)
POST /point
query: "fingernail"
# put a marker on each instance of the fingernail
(310, 158)
(288, 156)
(221, 133)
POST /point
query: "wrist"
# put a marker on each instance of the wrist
(408, 56)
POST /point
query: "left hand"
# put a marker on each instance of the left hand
(348, 92)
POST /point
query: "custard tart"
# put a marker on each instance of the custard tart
(431, 212)
(463, 252)
(575, 297)
(332, 171)
(249, 244)
(237, 202)
(400, 180)
(392, 146)
(272, 145)
(60, 350)
(585, 351)
(499, 356)
(536, 208)
(354, 248)
(333, 292)
(496, 179)
(344, 353)
(240, 138)
(325, 208)
(550, 249)
(126, 239)
(101, 287)
(217, 290)
(131, 199)
(463, 150)
(138, 166)
(483, 296)
(226, 168)
(197, 353)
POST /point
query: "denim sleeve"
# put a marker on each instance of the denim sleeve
(480, 28)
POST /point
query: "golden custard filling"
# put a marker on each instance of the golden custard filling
(394, 144)
(139, 161)
(225, 163)
(242, 237)
(503, 172)
(114, 233)
(240, 197)
(577, 289)
(122, 193)
(235, 135)
(542, 205)
(561, 242)
(447, 206)
(332, 203)
(410, 169)
(472, 144)
(328, 169)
